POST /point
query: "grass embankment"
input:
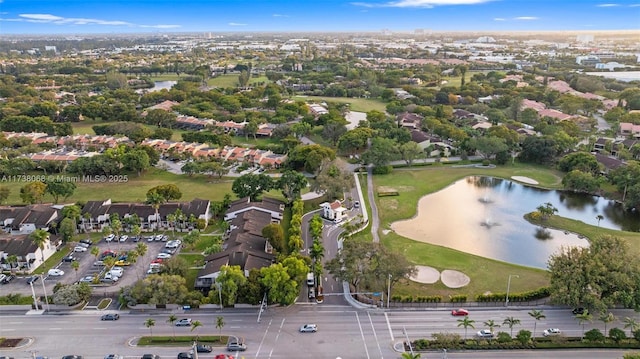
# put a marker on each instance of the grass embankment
(486, 275)
(182, 340)
(589, 231)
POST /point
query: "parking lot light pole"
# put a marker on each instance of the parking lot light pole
(33, 292)
(388, 290)
(506, 302)
(219, 285)
(46, 298)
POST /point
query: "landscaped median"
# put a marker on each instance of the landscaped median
(182, 340)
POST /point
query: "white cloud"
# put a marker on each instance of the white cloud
(499, 19)
(526, 18)
(634, 5)
(162, 26)
(236, 24)
(607, 5)
(59, 20)
(280, 15)
(420, 3)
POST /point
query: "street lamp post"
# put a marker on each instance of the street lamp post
(506, 302)
(46, 298)
(388, 290)
(404, 330)
(33, 292)
(219, 285)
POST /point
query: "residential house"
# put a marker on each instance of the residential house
(629, 129)
(409, 120)
(29, 255)
(609, 163)
(96, 214)
(25, 220)
(244, 244)
(333, 211)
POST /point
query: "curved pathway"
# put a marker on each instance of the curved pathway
(375, 220)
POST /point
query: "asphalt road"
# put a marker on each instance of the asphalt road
(343, 332)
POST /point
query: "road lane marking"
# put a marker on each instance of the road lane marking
(364, 342)
(386, 317)
(375, 335)
(264, 336)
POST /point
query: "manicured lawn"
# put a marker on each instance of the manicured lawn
(231, 80)
(356, 104)
(590, 231)
(135, 189)
(413, 183)
(486, 275)
(167, 77)
(85, 127)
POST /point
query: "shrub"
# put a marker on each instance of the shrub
(636, 335)
(382, 170)
(460, 298)
(523, 336)
(617, 335)
(594, 336)
(504, 337)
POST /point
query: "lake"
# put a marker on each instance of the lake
(484, 216)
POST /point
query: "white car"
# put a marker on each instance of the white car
(79, 249)
(109, 238)
(485, 333)
(123, 238)
(110, 277)
(163, 256)
(551, 331)
(309, 328)
(117, 271)
(54, 272)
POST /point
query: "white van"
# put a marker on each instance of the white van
(311, 281)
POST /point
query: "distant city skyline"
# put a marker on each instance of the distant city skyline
(135, 16)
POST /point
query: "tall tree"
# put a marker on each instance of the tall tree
(33, 192)
(172, 321)
(537, 315)
(291, 183)
(511, 322)
(466, 323)
(583, 319)
(251, 185)
(40, 237)
(150, 323)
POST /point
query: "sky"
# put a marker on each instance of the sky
(135, 16)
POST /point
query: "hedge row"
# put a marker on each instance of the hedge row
(418, 299)
(461, 298)
(515, 297)
(388, 194)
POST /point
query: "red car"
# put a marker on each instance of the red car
(158, 260)
(460, 312)
(223, 356)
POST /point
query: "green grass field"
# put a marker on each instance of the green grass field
(231, 80)
(356, 104)
(486, 275)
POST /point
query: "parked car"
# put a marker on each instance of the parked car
(460, 312)
(158, 237)
(2, 277)
(110, 238)
(184, 322)
(79, 249)
(87, 279)
(7, 278)
(113, 316)
(86, 241)
(113, 356)
(123, 238)
(185, 355)
(485, 333)
(54, 272)
(157, 261)
(135, 238)
(98, 264)
(72, 357)
(309, 328)
(551, 332)
(110, 278)
(123, 263)
(149, 238)
(202, 348)
(163, 255)
(236, 346)
(81, 244)
(356, 204)
(69, 258)
(32, 279)
(117, 271)
(578, 311)
(150, 356)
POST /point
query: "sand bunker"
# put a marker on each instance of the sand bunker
(454, 278)
(426, 275)
(524, 179)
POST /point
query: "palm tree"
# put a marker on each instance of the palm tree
(195, 325)
(537, 315)
(141, 248)
(95, 251)
(13, 262)
(172, 320)
(491, 324)
(466, 323)
(149, 323)
(220, 323)
(171, 218)
(155, 199)
(317, 251)
(599, 218)
(511, 322)
(606, 318)
(39, 238)
(406, 355)
(583, 319)
(75, 265)
(632, 324)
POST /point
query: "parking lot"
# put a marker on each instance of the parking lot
(87, 266)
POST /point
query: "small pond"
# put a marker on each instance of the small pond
(484, 216)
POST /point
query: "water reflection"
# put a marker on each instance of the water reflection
(484, 216)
